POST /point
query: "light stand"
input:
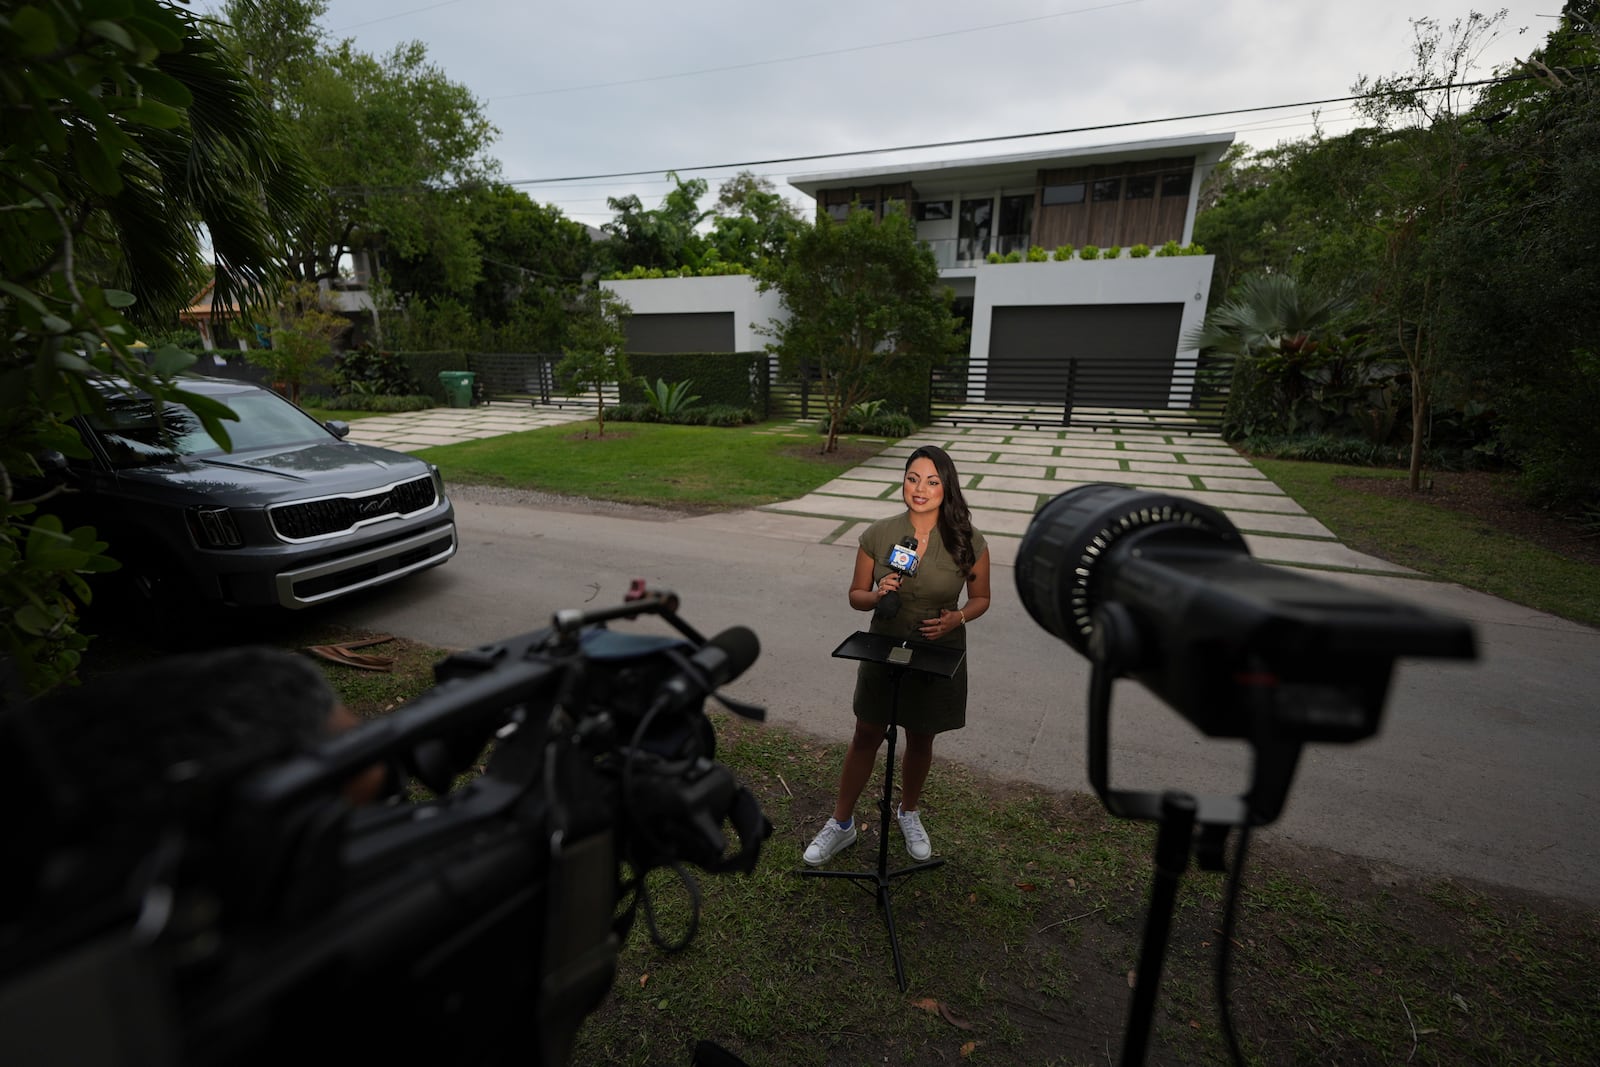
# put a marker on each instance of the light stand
(899, 655)
(1179, 817)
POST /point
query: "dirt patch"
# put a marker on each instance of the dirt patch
(1495, 500)
(848, 454)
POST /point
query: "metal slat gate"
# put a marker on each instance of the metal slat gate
(1097, 394)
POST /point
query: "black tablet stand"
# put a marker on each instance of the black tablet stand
(899, 655)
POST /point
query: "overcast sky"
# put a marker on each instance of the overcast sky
(611, 86)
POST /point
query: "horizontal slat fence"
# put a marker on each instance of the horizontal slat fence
(1084, 393)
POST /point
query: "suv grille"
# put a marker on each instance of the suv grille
(338, 514)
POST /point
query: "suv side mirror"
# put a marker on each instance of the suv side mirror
(338, 427)
(53, 466)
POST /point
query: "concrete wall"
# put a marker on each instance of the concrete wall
(732, 292)
(1182, 280)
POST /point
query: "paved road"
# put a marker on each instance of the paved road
(1482, 770)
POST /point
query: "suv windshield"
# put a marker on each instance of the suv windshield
(134, 436)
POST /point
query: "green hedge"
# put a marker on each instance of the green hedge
(367, 402)
(699, 415)
(425, 368)
(731, 379)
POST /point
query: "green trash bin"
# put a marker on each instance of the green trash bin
(458, 387)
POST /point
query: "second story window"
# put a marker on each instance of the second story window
(1071, 193)
(933, 210)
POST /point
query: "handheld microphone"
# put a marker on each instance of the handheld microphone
(902, 559)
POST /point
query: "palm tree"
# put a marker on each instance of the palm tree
(1269, 313)
(1269, 327)
(126, 129)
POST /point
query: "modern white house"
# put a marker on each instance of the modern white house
(1113, 326)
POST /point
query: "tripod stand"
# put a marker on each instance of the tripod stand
(899, 655)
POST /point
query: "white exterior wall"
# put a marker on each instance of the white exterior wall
(737, 293)
(1182, 280)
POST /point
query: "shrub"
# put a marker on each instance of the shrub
(1063, 253)
(1114, 252)
(1349, 452)
(667, 399)
(185, 338)
(1139, 251)
(705, 415)
(717, 415)
(1037, 254)
(632, 413)
(1089, 252)
(1014, 257)
(995, 257)
(870, 419)
(369, 402)
(866, 410)
(365, 370)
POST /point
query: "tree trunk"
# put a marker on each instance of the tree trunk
(832, 443)
(1419, 411)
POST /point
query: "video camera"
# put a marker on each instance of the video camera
(478, 925)
(1162, 589)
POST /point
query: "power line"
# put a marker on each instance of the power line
(397, 15)
(1004, 137)
(815, 55)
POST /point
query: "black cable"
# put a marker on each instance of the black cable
(689, 884)
(1225, 954)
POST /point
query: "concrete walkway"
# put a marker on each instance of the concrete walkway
(1007, 473)
(410, 430)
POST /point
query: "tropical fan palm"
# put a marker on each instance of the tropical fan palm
(1268, 313)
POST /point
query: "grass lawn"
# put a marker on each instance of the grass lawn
(1019, 949)
(324, 414)
(696, 467)
(1444, 543)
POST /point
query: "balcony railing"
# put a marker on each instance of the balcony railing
(951, 252)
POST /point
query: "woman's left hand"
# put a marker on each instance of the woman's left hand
(933, 629)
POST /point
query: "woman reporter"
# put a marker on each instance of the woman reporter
(952, 557)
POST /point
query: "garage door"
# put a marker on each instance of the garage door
(1109, 355)
(695, 331)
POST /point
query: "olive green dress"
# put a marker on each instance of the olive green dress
(928, 704)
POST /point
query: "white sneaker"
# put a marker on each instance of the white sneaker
(917, 842)
(829, 841)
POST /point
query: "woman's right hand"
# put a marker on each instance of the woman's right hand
(888, 583)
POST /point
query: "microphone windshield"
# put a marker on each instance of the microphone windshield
(903, 556)
(728, 654)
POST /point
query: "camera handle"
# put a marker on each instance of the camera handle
(640, 601)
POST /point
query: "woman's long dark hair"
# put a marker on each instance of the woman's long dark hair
(955, 521)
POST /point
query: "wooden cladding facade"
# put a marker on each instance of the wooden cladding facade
(1121, 204)
(1124, 204)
